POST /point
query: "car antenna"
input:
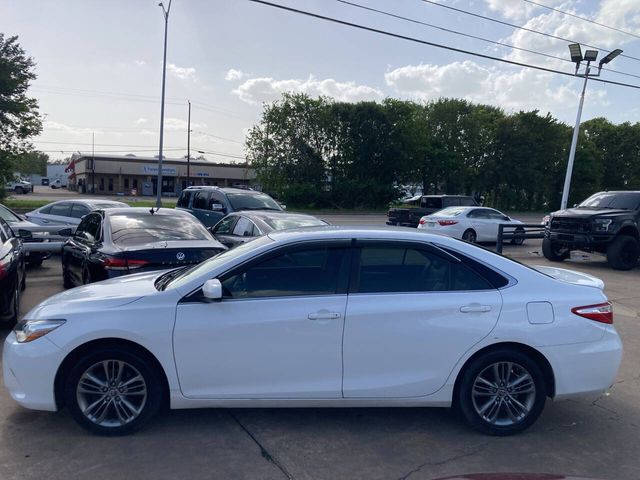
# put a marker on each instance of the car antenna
(152, 211)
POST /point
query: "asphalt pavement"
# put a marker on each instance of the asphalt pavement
(589, 437)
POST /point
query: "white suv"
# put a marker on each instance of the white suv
(19, 186)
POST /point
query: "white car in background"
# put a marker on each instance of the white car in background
(472, 224)
(320, 317)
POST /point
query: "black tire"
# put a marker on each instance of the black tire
(471, 401)
(114, 402)
(35, 263)
(623, 253)
(553, 252)
(469, 236)
(15, 308)
(516, 240)
(19, 190)
(23, 283)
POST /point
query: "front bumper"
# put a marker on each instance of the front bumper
(585, 368)
(29, 371)
(579, 240)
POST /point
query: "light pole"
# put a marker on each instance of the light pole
(576, 56)
(165, 14)
(189, 146)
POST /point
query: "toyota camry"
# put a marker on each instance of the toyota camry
(326, 317)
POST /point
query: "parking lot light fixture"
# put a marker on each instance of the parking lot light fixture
(576, 56)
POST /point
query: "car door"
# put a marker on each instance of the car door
(78, 248)
(200, 206)
(413, 312)
(223, 230)
(243, 232)
(79, 210)
(276, 333)
(495, 219)
(482, 224)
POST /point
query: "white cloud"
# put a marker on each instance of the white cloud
(510, 89)
(141, 121)
(84, 132)
(183, 73)
(233, 74)
(172, 123)
(266, 89)
(140, 63)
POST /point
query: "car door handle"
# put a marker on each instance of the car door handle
(475, 308)
(323, 316)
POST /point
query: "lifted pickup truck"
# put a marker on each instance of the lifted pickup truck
(606, 222)
(409, 215)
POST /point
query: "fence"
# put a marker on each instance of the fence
(520, 230)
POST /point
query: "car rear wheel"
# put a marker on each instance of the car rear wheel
(113, 391)
(623, 253)
(501, 392)
(554, 252)
(19, 190)
(469, 236)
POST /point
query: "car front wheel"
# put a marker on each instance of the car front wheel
(553, 251)
(501, 392)
(623, 253)
(113, 391)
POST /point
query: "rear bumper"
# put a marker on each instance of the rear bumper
(585, 368)
(29, 370)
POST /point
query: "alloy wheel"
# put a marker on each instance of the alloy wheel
(503, 393)
(111, 393)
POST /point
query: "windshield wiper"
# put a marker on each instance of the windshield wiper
(164, 279)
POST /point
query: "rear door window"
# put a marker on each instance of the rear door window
(78, 210)
(61, 209)
(244, 228)
(185, 198)
(432, 202)
(225, 226)
(396, 269)
(201, 200)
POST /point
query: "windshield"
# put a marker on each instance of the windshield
(617, 200)
(214, 262)
(283, 223)
(252, 201)
(8, 216)
(127, 230)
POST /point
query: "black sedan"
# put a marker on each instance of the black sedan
(240, 227)
(12, 274)
(118, 241)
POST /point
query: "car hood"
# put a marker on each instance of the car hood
(111, 293)
(589, 212)
(570, 276)
(174, 245)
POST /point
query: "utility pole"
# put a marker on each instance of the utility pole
(165, 13)
(93, 163)
(189, 145)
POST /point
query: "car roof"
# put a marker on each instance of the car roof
(268, 214)
(145, 210)
(223, 189)
(90, 202)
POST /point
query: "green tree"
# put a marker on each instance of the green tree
(19, 117)
(32, 162)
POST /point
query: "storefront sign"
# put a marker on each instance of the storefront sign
(154, 170)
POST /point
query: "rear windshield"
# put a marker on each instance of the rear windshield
(451, 211)
(8, 216)
(146, 228)
(252, 201)
(293, 222)
(432, 202)
(623, 201)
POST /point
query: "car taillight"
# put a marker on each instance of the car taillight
(422, 221)
(446, 223)
(3, 271)
(114, 263)
(602, 312)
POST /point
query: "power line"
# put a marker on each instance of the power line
(520, 27)
(218, 137)
(437, 45)
(581, 18)
(110, 151)
(475, 37)
(98, 144)
(221, 154)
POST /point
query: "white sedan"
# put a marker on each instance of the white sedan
(472, 224)
(327, 317)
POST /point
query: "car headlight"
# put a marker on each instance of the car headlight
(30, 330)
(602, 224)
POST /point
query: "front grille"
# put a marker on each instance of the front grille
(574, 225)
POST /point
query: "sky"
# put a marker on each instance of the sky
(99, 63)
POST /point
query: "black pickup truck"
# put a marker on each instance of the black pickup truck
(409, 215)
(606, 222)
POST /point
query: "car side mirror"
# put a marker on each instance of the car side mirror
(217, 207)
(65, 232)
(212, 289)
(283, 206)
(575, 205)
(25, 234)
